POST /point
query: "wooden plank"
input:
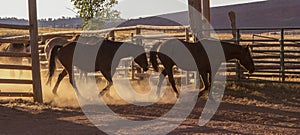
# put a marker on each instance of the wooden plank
(22, 37)
(251, 40)
(265, 45)
(260, 67)
(274, 45)
(292, 40)
(25, 41)
(166, 28)
(162, 36)
(276, 57)
(15, 81)
(266, 76)
(16, 94)
(36, 74)
(274, 51)
(43, 62)
(276, 72)
(20, 67)
(265, 51)
(12, 26)
(267, 62)
(206, 9)
(256, 35)
(14, 54)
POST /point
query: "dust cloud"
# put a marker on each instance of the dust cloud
(66, 94)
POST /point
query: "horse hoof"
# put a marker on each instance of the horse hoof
(102, 93)
(109, 96)
(201, 93)
(55, 94)
(158, 96)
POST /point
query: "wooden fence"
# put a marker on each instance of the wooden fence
(34, 55)
(276, 57)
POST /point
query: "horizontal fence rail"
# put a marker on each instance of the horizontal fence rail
(277, 59)
(11, 26)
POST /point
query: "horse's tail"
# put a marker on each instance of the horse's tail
(153, 56)
(52, 62)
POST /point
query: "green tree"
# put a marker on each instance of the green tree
(100, 10)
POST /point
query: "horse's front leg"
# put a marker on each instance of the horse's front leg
(71, 80)
(206, 81)
(172, 81)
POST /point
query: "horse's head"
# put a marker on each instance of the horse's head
(246, 59)
(141, 59)
(16, 47)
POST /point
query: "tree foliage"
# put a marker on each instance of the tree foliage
(100, 10)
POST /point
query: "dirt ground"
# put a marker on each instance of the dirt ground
(247, 108)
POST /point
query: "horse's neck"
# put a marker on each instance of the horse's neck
(232, 51)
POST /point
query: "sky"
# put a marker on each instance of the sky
(129, 8)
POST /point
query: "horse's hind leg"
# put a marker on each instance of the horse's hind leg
(210, 75)
(108, 77)
(60, 77)
(161, 78)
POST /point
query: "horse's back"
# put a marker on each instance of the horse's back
(92, 40)
(205, 53)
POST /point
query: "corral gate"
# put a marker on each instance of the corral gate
(35, 64)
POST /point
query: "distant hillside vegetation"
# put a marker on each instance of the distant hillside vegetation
(64, 22)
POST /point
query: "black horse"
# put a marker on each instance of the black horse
(106, 52)
(201, 59)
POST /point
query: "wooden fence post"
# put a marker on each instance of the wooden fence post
(232, 18)
(206, 19)
(132, 63)
(139, 41)
(238, 67)
(138, 38)
(195, 17)
(36, 74)
(187, 34)
(282, 67)
(112, 35)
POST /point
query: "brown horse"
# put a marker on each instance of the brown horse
(201, 59)
(106, 52)
(50, 43)
(59, 41)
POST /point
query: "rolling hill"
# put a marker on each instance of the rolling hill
(271, 13)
